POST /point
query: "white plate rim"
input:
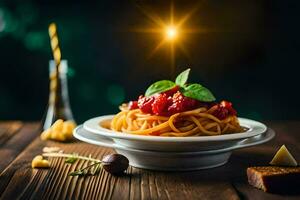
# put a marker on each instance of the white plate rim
(92, 125)
(270, 134)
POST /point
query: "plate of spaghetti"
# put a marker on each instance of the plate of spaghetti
(175, 116)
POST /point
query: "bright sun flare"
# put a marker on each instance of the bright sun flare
(171, 32)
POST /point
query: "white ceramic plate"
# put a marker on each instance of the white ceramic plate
(157, 143)
(172, 161)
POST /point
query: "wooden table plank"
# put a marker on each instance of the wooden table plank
(8, 129)
(18, 180)
(20, 137)
(139, 184)
(47, 183)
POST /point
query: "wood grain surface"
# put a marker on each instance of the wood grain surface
(20, 142)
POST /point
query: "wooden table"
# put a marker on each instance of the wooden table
(20, 142)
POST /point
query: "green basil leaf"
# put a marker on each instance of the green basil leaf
(198, 92)
(159, 86)
(182, 78)
(72, 159)
(77, 173)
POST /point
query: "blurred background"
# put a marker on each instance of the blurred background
(246, 52)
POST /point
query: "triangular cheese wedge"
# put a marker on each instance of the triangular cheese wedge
(283, 158)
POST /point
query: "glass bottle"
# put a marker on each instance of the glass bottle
(58, 105)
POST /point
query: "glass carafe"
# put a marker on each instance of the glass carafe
(58, 104)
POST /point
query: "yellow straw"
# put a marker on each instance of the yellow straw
(54, 76)
(55, 45)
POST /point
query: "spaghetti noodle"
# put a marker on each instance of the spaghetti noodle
(197, 122)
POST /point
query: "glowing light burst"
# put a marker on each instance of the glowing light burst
(173, 33)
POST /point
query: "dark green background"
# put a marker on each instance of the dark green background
(250, 56)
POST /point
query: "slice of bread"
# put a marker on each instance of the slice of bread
(274, 179)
